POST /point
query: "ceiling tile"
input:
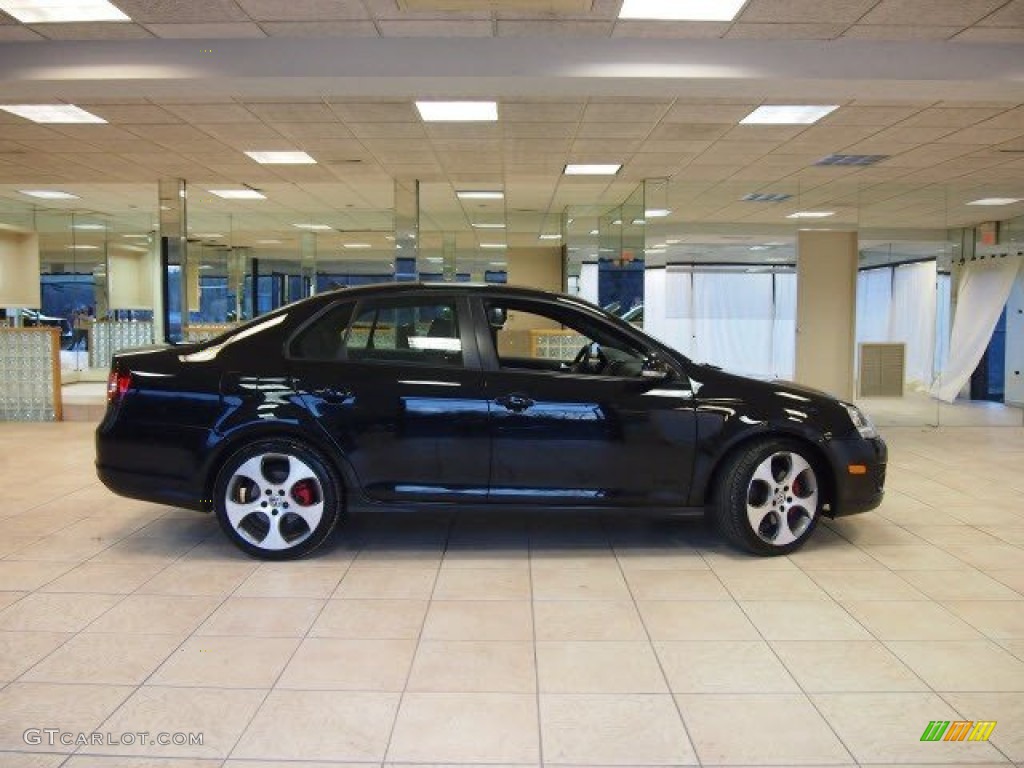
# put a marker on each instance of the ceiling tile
(707, 113)
(388, 9)
(549, 28)
(539, 112)
(375, 112)
(991, 35)
(10, 33)
(295, 112)
(805, 11)
(786, 31)
(371, 131)
(319, 28)
(304, 10)
(621, 130)
(899, 32)
(91, 31)
(136, 114)
(862, 115)
(212, 113)
(1010, 15)
(947, 13)
(686, 132)
(235, 132)
(678, 30)
(436, 28)
(207, 30)
(617, 112)
(307, 131)
(185, 11)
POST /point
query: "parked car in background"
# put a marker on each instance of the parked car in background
(408, 393)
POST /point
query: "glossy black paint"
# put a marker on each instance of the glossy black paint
(400, 434)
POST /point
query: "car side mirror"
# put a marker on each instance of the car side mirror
(655, 369)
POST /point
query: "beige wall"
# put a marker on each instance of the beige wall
(535, 268)
(19, 270)
(826, 310)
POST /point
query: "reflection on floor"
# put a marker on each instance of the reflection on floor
(84, 401)
(918, 409)
(511, 638)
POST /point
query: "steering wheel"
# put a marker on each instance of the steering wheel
(590, 359)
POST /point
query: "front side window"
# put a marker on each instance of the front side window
(403, 331)
(536, 336)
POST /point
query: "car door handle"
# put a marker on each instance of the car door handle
(333, 395)
(514, 403)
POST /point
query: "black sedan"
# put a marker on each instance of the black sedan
(409, 393)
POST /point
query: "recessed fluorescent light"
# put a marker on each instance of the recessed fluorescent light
(493, 246)
(314, 227)
(654, 251)
(208, 235)
(52, 113)
(811, 214)
(657, 213)
(238, 194)
(592, 169)
(551, 237)
(282, 158)
(681, 10)
(268, 242)
(639, 222)
(594, 232)
(355, 245)
(788, 115)
(458, 111)
(48, 194)
(77, 247)
(673, 242)
(996, 201)
(482, 225)
(53, 11)
(137, 236)
(479, 194)
(95, 227)
(497, 263)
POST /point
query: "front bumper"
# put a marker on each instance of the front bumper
(857, 493)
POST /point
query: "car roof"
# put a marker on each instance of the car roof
(492, 289)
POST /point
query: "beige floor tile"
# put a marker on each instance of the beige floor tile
(219, 714)
(915, 557)
(473, 666)
(466, 727)
(81, 709)
(30, 575)
(1007, 709)
(1002, 621)
(989, 557)
(323, 663)
(696, 620)
(676, 585)
(588, 620)
(226, 662)
(723, 667)
(783, 585)
(139, 548)
(10, 598)
(910, 620)
(104, 659)
(946, 535)
(62, 547)
(482, 584)
(263, 617)
(757, 729)
(485, 555)
(841, 666)
(969, 665)
(20, 650)
(1013, 578)
(55, 612)
(803, 620)
(834, 554)
(604, 583)
(959, 585)
(382, 583)
(23, 760)
(869, 585)
(369, 619)
(322, 725)
(598, 667)
(580, 557)
(887, 727)
(633, 559)
(983, 514)
(1009, 534)
(106, 761)
(112, 578)
(188, 578)
(479, 620)
(631, 729)
(156, 615)
(291, 580)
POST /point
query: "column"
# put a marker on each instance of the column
(407, 229)
(826, 310)
(173, 245)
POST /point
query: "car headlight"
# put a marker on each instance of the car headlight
(861, 422)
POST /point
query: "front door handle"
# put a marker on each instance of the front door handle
(333, 395)
(514, 403)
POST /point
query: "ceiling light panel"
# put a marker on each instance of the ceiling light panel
(811, 215)
(479, 194)
(282, 158)
(788, 115)
(458, 111)
(592, 169)
(996, 201)
(62, 11)
(48, 194)
(681, 10)
(52, 113)
(238, 194)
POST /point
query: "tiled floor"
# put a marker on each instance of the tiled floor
(513, 639)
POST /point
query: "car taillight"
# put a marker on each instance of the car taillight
(117, 384)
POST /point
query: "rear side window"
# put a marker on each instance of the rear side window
(324, 338)
(422, 331)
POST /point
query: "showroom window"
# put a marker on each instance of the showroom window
(422, 332)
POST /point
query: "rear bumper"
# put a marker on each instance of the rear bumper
(858, 493)
(156, 489)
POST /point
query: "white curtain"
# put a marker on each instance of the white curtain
(982, 292)
(874, 297)
(588, 282)
(912, 320)
(784, 326)
(733, 316)
(942, 313)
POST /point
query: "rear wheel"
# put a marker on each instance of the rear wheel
(277, 500)
(768, 499)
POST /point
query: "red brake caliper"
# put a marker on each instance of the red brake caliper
(304, 492)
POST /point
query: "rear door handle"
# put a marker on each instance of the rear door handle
(514, 403)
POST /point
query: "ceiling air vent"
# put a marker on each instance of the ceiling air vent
(852, 159)
(518, 6)
(765, 197)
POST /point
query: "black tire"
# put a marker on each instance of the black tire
(788, 514)
(277, 499)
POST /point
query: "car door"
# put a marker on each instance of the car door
(572, 431)
(396, 384)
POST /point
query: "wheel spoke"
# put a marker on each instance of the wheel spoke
(797, 465)
(253, 469)
(274, 539)
(298, 471)
(238, 512)
(764, 473)
(311, 514)
(782, 498)
(784, 535)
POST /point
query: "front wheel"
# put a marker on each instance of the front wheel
(276, 500)
(769, 498)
